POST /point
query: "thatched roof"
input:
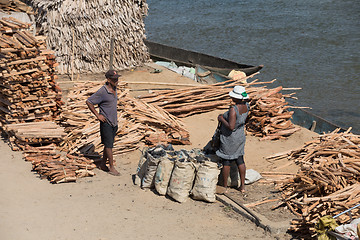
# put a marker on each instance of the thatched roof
(14, 6)
(79, 31)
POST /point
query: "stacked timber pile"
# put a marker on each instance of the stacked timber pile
(57, 168)
(84, 47)
(137, 121)
(28, 88)
(328, 182)
(30, 99)
(268, 116)
(33, 133)
(10, 25)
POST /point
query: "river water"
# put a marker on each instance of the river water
(310, 44)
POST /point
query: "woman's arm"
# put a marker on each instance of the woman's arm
(232, 119)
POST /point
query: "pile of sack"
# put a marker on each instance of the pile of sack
(178, 174)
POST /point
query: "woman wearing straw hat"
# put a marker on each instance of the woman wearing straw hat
(232, 135)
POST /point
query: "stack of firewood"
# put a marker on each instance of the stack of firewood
(268, 117)
(328, 182)
(33, 133)
(137, 121)
(12, 25)
(57, 168)
(29, 91)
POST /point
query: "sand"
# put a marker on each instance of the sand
(110, 207)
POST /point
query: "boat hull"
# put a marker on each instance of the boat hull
(182, 57)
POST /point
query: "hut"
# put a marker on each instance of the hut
(80, 33)
(14, 6)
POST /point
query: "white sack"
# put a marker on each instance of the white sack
(181, 181)
(163, 174)
(205, 182)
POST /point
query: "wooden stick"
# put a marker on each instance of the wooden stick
(260, 202)
(72, 54)
(163, 83)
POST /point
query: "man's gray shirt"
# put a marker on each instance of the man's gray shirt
(107, 102)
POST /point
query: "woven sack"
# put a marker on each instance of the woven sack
(205, 182)
(181, 181)
(152, 163)
(163, 174)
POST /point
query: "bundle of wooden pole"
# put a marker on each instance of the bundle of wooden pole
(28, 88)
(137, 121)
(328, 182)
(268, 116)
(192, 100)
(57, 168)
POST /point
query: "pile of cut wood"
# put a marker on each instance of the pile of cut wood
(57, 168)
(160, 127)
(33, 133)
(137, 121)
(28, 88)
(30, 99)
(328, 182)
(268, 118)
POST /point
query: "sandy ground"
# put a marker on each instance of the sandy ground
(109, 207)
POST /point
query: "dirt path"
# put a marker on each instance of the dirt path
(108, 207)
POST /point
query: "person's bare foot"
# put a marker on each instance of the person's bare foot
(114, 172)
(221, 190)
(102, 166)
(242, 191)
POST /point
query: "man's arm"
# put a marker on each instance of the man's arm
(93, 110)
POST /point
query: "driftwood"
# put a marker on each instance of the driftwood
(328, 182)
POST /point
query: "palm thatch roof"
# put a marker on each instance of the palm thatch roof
(14, 6)
(80, 32)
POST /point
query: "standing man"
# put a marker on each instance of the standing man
(106, 99)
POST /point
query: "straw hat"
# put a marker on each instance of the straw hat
(239, 93)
